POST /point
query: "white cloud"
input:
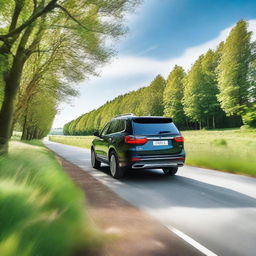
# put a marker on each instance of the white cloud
(131, 65)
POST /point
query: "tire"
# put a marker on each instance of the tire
(116, 171)
(170, 171)
(95, 163)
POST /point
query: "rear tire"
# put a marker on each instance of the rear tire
(170, 171)
(116, 171)
(95, 163)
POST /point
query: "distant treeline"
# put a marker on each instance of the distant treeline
(218, 91)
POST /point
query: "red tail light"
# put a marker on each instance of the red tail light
(178, 139)
(133, 140)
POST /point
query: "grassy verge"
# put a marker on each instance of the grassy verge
(42, 212)
(231, 150)
(78, 141)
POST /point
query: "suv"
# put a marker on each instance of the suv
(129, 141)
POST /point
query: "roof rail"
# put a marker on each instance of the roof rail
(127, 114)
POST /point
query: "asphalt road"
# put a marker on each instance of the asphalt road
(213, 211)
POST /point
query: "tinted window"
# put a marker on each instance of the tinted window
(105, 129)
(121, 125)
(153, 128)
(116, 126)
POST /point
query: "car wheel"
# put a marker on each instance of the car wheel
(170, 171)
(116, 171)
(95, 163)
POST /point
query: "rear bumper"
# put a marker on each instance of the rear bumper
(156, 162)
(155, 165)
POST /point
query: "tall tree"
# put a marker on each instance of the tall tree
(233, 70)
(86, 23)
(173, 95)
(155, 98)
(200, 101)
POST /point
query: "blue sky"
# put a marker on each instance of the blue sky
(162, 33)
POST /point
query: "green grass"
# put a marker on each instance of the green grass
(41, 211)
(78, 141)
(231, 150)
(16, 135)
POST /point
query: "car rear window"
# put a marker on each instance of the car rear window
(153, 127)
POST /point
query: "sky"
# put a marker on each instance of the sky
(162, 33)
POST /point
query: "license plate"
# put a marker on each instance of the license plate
(160, 143)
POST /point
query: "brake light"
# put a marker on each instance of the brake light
(133, 140)
(179, 139)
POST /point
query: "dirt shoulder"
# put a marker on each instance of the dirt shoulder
(137, 233)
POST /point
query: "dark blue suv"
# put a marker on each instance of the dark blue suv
(133, 142)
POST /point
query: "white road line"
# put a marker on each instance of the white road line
(191, 241)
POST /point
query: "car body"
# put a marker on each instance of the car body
(138, 142)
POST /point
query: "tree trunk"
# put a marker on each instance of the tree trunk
(6, 120)
(213, 122)
(12, 82)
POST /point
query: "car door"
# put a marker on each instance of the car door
(100, 143)
(108, 138)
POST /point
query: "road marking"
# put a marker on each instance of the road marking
(191, 241)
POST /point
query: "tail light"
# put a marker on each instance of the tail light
(133, 140)
(179, 139)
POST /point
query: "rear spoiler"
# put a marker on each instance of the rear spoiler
(148, 120)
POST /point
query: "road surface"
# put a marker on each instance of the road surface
(213, 211)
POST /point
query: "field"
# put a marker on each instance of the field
(231, 150)
(42, 212)
(78, 141)
(227, 150)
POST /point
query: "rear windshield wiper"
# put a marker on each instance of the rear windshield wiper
(164, 132)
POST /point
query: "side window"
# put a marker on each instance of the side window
(116, 126)
(113, 127)
(105, 129)
(121, 125)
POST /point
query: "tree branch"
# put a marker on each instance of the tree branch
(50, 6)
(70, 16)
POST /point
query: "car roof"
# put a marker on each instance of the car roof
(132, 117)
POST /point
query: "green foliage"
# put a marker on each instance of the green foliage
(41, 210)
(145, 101)
(250, 117)
(51, 42)
(173, 94)
(233, 70)
(200, 101)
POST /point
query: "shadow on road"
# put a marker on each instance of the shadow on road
(178, 191)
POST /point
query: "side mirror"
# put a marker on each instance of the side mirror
(96, 134)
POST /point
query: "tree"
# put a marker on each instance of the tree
(85, 23)
(234, 87)
(145, 101)
(173, 95)
(155, 98)
(200, 101)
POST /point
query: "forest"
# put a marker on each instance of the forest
(218, 91)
